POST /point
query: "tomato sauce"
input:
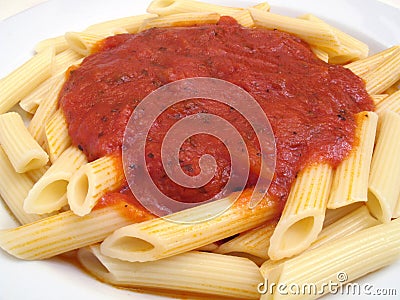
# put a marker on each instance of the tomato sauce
(310, 104)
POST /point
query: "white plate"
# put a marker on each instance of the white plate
(374, 22)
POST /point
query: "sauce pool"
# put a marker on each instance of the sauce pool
(310, 104)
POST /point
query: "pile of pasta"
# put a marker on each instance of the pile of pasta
(335, 220)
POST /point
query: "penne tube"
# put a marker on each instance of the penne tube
(262, 6)
(14, 188)
(65, 232)
(57, 139)
(92, 181)
(393, 89)
(36, 174)
(25, 79)
(83, 42)
(379, 98)
(350, 179)
(391, 103)
(340, 261)
(50, 192)
(156, 239)
(46, 109)
(332, 215)
(363, 66)
(254, 242)
(383, 187)
(32, 101)
(316, 34)
(181, 20)
(384, 75)
(304, 212)
(58, 43)
(321, 54)
(24, 152)
(208, 248)
(353, 49)
(64, 60)
(130, 24)
(194, 271)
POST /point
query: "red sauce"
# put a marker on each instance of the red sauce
(310, 104)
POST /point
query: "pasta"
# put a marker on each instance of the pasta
(335, 219)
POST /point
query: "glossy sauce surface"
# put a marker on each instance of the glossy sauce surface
(310, 104)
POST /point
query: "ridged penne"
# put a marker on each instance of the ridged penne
(25, 79)
(57, 138)
(63, 232)
(181, 20)
(83, 42)
(24, 152)
(50, 192)
(65, 59)
(332, 215)
(14, 188)
(383, 187)
(384, 75)
(36, 174)
(321, 54)
(350, 179)
(58, 43)
(92, 181)
(379, 98)
(158, 238)
(199, 272)
(317, 34)
(130, 24)
(363, 66)
(45, 111)
(304, 212)
(391, 103)
(262, 6)
(339, 261)
(254, 241)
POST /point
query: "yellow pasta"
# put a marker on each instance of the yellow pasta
(262, 6)
(321, 54)
(383, 187)
(58, 43)
(339, 261)
(384, 75)
(92, 181)
(56, 135)
(159, 238)
(83, 42)
(199, 272)
(332, 215)
(303, 215)
(391, 103)
(23, 151)
(25, 79)
(36, 174)
(65, 59)
(63, 232)
(379, 98)
(350, 180)
(14, 187)
(182, 19)
(50, 192)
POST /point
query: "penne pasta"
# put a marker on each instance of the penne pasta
(58, 43)
(339, 261)
(14, 187)
(36, 174)
(262, 6)
(332, 215)
(65, 59)
(321, 54)
(304, 212)
(391, 103)
(384, 75)
(379, 98)
(366, 65)
(384, 191)
(64, 232)
(46, 110)
(25, 79)
(57, 139)
(350, 179)
(156, 239)
(24, 152)
(50, 192)
(92, 181)
(182, 19)
(83, 42)
(254, 242)
(199, 272)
